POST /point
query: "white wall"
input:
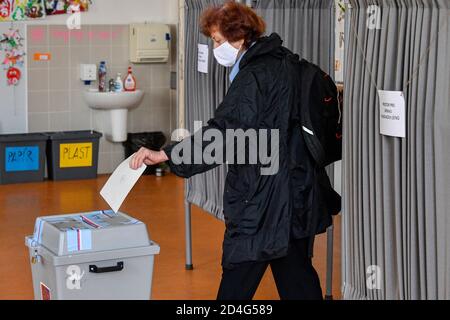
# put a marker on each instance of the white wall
(123, 12)
(13, 99)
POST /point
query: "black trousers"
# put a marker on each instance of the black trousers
(295, 276)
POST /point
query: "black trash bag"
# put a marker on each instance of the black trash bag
(150, 140)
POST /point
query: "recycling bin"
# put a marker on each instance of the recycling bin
(22, 158)
(91, 256)
(149, 140)
(72, 155)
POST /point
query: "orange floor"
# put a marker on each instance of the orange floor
(156, 201)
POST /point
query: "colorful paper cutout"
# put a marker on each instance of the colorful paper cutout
(13, 75)
(34, 9)
(12, 56)
(6, 9)
(18, 10)
(53, 7)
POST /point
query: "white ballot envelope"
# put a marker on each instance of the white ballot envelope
(120, 184)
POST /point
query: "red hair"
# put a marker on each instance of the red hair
(235, 21)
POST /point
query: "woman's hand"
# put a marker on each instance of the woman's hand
(149, 157)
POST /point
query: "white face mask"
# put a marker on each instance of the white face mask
(226, 54)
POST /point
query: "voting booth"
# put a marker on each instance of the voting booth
(91, 256)
(73, 155)
(22, 158)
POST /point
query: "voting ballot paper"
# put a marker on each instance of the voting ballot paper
(120, 184)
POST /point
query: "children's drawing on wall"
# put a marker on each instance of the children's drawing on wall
(34, 9)
(12, 55)
(53, 7)
(17, 10)
(19, 13)
(79, 5)
(6, 9)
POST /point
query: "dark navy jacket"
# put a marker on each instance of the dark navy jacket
(263, 213)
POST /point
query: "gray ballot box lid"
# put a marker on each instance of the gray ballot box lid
(93, 232)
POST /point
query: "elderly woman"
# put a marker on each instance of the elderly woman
(270, 219)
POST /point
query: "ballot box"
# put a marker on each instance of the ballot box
(91, 256)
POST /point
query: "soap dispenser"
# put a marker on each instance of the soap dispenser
(119, 83)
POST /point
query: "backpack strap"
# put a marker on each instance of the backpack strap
(307, 74)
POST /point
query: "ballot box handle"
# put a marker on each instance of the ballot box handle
(95, 269)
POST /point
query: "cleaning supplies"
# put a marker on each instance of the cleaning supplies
(102, 77)
(130, 81)
(112, 85)
(118, 86)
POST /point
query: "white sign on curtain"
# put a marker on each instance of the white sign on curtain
(203, 53)
(392, 113)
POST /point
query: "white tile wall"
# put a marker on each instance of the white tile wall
(55, 91)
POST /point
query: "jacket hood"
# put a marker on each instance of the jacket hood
(264, 45)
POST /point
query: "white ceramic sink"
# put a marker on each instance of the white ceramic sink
(115, 107)
(113, 100)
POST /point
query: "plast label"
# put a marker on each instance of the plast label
(74, 155)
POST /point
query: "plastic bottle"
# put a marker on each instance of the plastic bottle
(112, 85)
(102, 77)
(118, 87)
(130, 81)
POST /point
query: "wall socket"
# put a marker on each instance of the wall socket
(88, 72)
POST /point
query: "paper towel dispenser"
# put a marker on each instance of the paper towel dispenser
(149, 43)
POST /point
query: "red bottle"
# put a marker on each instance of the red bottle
(130, 81)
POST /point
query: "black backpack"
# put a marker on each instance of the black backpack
(320, 112)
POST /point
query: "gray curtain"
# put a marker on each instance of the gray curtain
(396, 192)
(203, 94)
(307, 27)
